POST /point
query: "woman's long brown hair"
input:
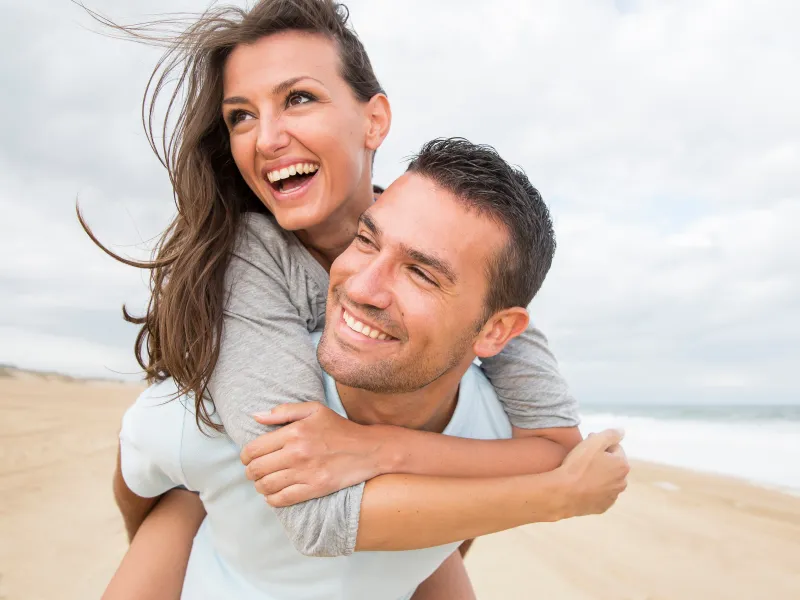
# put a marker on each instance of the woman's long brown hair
(181, 330)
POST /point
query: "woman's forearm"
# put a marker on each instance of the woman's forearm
(423, 453)
(406, 512)
(155, 565)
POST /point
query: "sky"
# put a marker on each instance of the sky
(664, 135)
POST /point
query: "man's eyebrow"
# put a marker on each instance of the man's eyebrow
(432, 261)
(424, 258)
(279, 89)
(367, 221)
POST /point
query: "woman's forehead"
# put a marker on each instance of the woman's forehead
(281, 56)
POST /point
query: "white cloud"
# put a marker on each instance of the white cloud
(665, 136)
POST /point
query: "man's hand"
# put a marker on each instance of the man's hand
(595, 473)
(315, 454)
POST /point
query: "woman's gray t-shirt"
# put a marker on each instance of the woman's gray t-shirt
(276, 294)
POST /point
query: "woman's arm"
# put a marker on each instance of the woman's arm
(155, 565)
(320, 452)
(405, 512)
(527, 380)
(267, 358)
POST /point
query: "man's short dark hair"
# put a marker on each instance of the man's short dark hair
(377, 189)
(480, 178)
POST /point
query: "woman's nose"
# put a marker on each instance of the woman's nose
(272, 137)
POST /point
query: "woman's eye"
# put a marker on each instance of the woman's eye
(298, 98)
(237, 116)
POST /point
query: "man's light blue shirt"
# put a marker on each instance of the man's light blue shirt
(241, 550)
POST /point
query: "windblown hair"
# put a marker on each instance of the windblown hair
(483, 181)
(181, 330)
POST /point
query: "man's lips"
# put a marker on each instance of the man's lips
(362, 328)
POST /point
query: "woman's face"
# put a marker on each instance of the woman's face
(301, 139)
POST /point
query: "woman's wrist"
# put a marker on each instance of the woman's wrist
(390, 455)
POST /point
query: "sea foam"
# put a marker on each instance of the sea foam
(766, 452)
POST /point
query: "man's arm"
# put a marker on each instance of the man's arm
(449, 582)
(155, 565)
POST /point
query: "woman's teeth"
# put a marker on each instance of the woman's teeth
(286, 172)
(359, 327)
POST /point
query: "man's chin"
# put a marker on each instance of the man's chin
(352, 369)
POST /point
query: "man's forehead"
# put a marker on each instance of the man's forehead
(417, 213)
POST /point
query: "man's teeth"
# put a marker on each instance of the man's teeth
(358, 326)
(301, 168)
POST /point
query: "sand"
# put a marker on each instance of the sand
(674, 534)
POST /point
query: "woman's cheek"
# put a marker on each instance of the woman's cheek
(242, 157)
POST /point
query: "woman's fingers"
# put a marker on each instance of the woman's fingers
(263, 445)
(293, 494)
(265, 465)
(287, 413)
(275, 482)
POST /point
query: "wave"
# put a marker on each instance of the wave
(765, 452)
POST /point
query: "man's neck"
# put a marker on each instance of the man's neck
(427, 409)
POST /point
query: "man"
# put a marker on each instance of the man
(439, 274)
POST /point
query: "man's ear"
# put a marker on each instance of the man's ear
(379, 114)
(502, 327)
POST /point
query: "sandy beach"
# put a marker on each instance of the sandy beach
(675, 534)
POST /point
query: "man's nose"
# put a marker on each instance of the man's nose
(272, 136)
(371, 286)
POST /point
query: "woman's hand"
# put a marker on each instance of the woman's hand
(316, 453)
(596, 473)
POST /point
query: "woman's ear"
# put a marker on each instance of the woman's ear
(501, 328)
(379, 114)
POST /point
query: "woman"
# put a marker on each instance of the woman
(282, 118)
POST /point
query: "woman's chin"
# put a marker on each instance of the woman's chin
(299, 218)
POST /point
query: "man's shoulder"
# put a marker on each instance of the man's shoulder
(156, 409)
(479, 413)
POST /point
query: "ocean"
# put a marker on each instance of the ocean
(760, 444)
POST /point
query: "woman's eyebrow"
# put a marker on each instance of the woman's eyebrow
(285, 86)
(279, 89)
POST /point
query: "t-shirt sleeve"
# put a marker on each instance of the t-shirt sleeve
(266, 355)
(526, 378)
(268, 358)
(149, 445)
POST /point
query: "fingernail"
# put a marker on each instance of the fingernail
(261, 415)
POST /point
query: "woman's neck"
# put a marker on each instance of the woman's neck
(328, 240)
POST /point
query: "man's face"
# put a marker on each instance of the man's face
(406, 299)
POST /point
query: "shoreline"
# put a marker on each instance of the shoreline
(675, 534)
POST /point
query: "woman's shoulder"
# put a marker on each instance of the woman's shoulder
(264, 243)
(259, 229)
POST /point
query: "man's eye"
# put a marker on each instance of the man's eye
(362, 239)
(298, 98)
(422, 275)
